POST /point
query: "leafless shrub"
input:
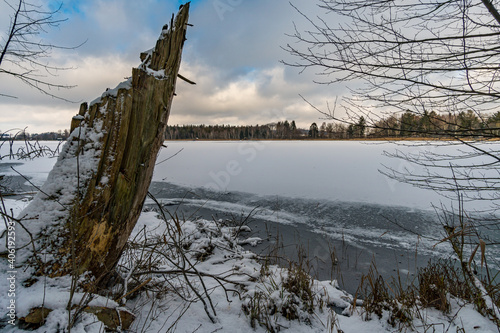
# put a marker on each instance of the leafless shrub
(29, 149)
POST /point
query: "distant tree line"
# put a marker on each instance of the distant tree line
(407, 124)
(45, 136)
(430, 124)
(280, 130)
(338, 131)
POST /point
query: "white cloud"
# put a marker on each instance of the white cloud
(261, 96)
(44, 113)
(35, 120)
(235, 62)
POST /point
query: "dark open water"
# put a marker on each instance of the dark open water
(358, 234)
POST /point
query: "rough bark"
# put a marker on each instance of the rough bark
(114, 144)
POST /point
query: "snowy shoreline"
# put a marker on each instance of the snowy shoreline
(248, 286)
(284, 231)
(253, 296)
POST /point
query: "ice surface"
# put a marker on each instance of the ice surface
(36, 169)
(331, 170)
(346, 171)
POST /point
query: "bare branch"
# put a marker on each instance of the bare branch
(22, 53)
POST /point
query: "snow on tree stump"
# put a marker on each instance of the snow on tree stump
(83, 216)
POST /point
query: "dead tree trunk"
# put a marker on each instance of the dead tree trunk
(84, 214)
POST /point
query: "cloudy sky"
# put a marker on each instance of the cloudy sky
(233, 53)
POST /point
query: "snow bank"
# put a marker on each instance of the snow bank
(51, 205)
(241, 284)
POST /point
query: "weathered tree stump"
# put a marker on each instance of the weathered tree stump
(84, 214)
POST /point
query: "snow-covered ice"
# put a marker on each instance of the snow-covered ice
(332, 170)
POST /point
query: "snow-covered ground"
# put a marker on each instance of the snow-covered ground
(324, 171)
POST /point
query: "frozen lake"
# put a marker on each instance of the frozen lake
(325, 195)
(344, 171)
